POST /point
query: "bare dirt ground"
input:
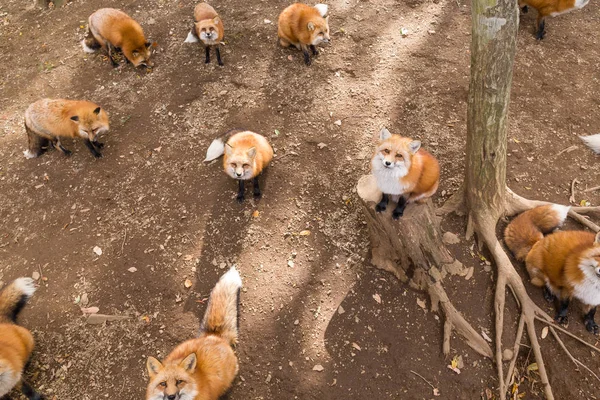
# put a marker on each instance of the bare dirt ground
(150, 203)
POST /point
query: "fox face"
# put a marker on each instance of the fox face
(319, 31)
(172, 381)
(394, 154)
(91, 123)
(207, 30)
(240, 162)
(141, 56)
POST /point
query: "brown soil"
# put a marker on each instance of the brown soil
(151, 204)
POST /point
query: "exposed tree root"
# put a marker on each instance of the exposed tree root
(484, 226)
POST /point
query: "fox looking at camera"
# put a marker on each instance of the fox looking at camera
(208, 28)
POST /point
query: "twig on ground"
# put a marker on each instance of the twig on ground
(572, 197)
(421, 376)
(592, 189)
(575, 361)
(124, 239)
(567, 150)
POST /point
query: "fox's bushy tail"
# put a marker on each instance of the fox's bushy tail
(593, 142)
(217, 147)
(221, 316)
(529, 227)
(14, 297)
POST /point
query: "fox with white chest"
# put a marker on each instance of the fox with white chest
(402, 168)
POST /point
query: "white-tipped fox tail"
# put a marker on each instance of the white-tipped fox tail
(593, 142)
(322, 8)
(215, 150)
(191, 38)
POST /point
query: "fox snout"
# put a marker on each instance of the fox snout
(387, 163)
(171, 396)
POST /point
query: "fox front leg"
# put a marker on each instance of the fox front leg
(382, 205)
(306, 54)
(58, 145)
(589, 322)
(256, 187)
(561, 313)
(207, 52)
(240, 195)
(30, 393)
(218, 51)
(314, 50)
(399, 210)
(111, 49)
(92, 149)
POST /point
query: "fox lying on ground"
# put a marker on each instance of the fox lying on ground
(565, 263)
(202, 368)
(16, 342)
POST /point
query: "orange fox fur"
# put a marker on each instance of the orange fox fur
(112, 29)
(567, 263)
(16, 342)
(550, 8)
(48, 120)
(304, 27)
(208, 28)
(402, 168)
(247, 154)
(202, 368)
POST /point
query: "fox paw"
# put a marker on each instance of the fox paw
(548, 295)
(380, 207)
(591, 327)
(99, 145)
(240, 199)
(257, 194)
(98, 155)
(397, 214)
(562, 320)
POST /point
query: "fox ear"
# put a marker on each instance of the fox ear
(311, 26)
(384, 134)
(228, 149)
(189, 363)
(252, 152)
(75, 118)
(97, 111)
(216, 20)
(154, 366)
(148, 44)
(597, 239)
(414, 146)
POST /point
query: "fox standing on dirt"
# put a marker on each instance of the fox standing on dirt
(305, 27)
(208, 28)
(565, 263)
(247, 154)
(48, 120)
(549, 8)
(113, 30)
(16, 342)
(202, 368)
(402, 168)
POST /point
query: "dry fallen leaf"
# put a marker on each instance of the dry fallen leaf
(35, 276)
(421, 303)
(532, 367)
(188, 257)
(356, 346)
(97, 250)
(318, 368)
(304, 233)
(188, 283)
(90, 310)
(132, 269)
(290, 264)
(436, 392)
(377, 298)
(544, 332)
(255, 214)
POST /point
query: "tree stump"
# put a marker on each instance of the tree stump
(412, 249)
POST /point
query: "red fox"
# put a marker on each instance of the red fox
(247, 154)
(304, 27)
(208, 28)
(402, 168)
(48, 120)
(549, 8)
(16, 342)
(112, 30)
(565, 263)
(593, 142)
(202, 368)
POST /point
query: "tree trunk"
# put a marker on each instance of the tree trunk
(494, 31)
(413, 248)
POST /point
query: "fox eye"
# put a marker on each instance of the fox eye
(203, 29)
(246, 165)
(399, 156)
(386, 151)
(163, 384)
(178, 382)
(233, 165)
